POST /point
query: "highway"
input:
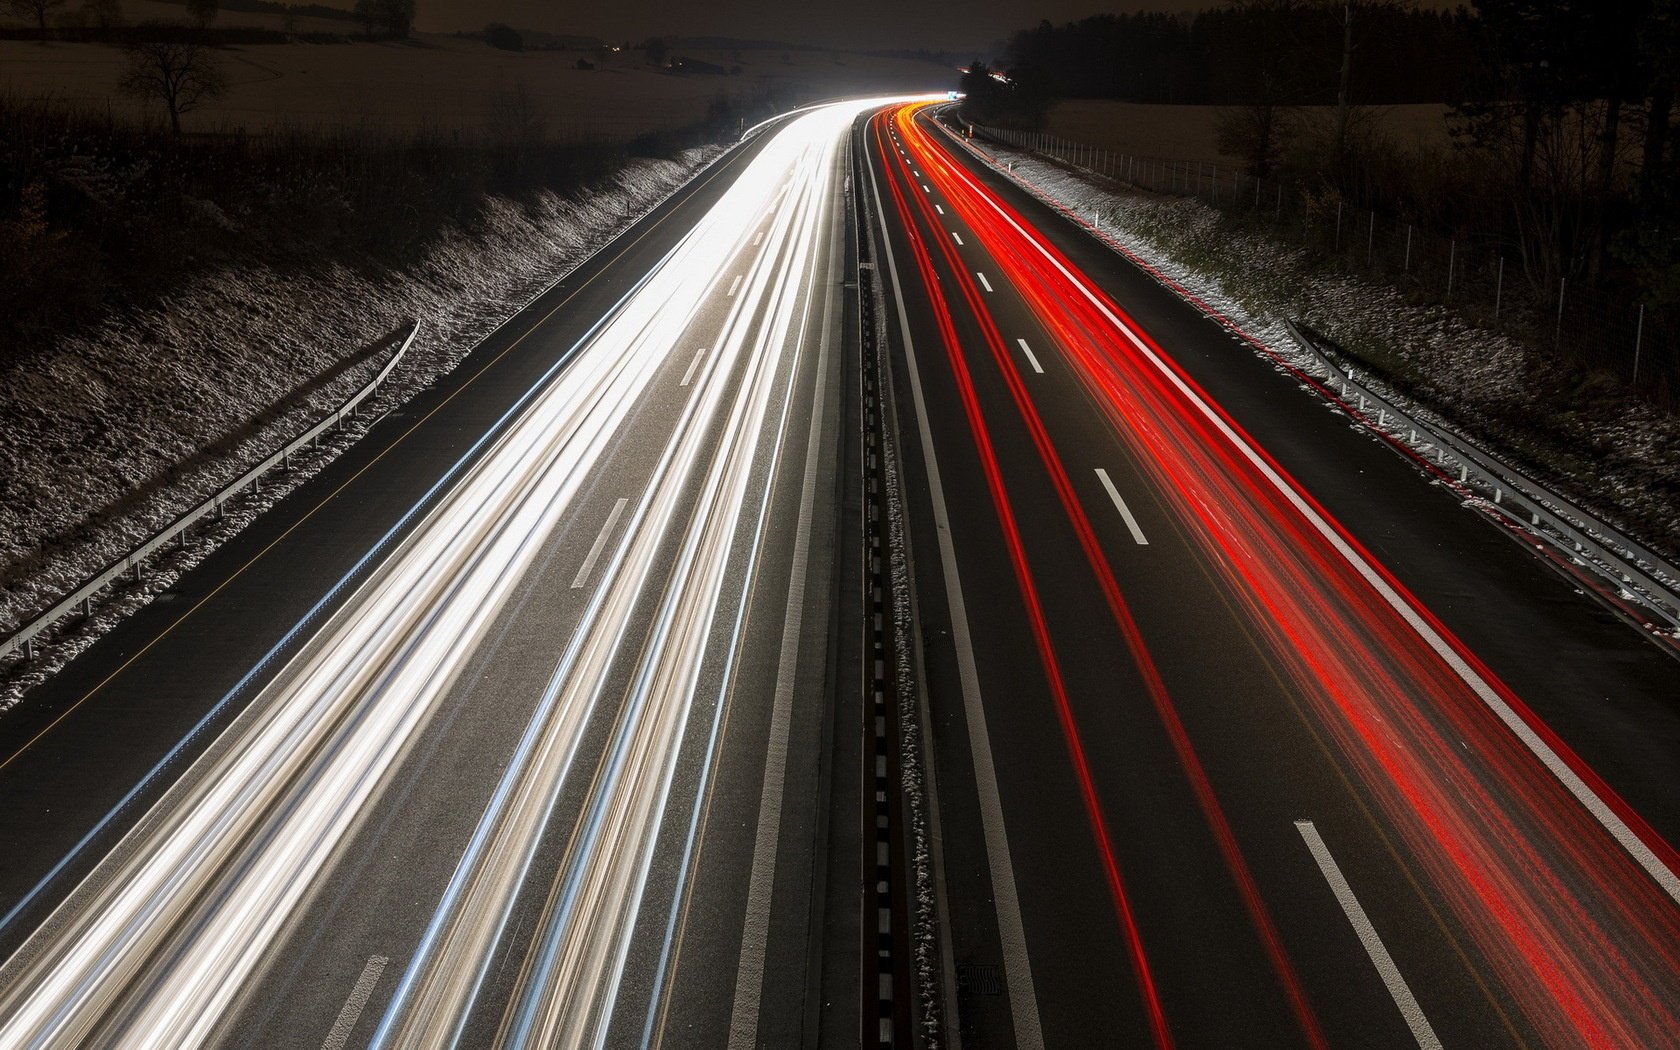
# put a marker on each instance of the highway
(493, 734)
(1247, 734)
(538, 718)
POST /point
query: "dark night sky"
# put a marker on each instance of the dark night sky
(867, 24)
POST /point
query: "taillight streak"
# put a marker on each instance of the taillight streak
(1155, 686)
(1582, 938)
(1035, 613)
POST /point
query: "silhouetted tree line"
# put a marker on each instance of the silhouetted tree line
(1206, 58)
(1562, 114)
(1571, 111)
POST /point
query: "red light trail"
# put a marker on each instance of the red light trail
(1567, 914)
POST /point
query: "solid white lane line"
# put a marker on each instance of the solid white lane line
(1012, 937)
(1391, 977)
(983, 282)
(939, 209)
(1120, 505)
(600, 542)
(353, 1006)
(692, 365)
(1629, 840)
(1031, 358)
(733, 285)
(957, 235)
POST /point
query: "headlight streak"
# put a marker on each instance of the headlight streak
(308, 619)
(549, 993)
(664, 683)
(497, 861)
(157, 945)
(656, 1000)
(1573, 920)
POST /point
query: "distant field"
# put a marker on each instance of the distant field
(449, 84)
(1188, 132)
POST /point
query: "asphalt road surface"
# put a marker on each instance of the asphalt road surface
(1246, 733)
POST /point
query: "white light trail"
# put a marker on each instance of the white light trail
(157, 945)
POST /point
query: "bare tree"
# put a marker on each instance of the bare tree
(1258, 133)
(36, 9)
(1259, 73)
(178, 74)
(1346, 14)
(397, 16)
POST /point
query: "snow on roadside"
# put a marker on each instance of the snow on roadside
(1616, 456)
(86, 425)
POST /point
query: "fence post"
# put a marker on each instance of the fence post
(1498, 292)
(1280, 203)
(1452, 265)
(1408, 266)
(1557, 334)
(1371, 241)
(1638, 342)
(1338, 225)
(1216, 184)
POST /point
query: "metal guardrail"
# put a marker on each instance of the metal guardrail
(133, 563)
(1639, 574)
